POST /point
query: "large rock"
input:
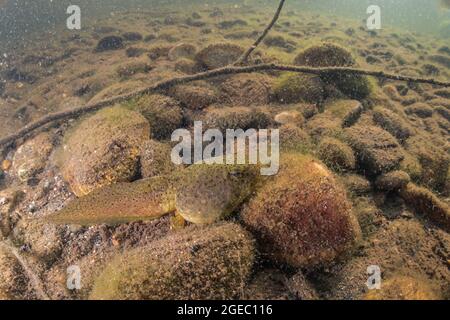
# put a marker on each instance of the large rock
(302, 217)
(109, 43)
(425, 203)
(163, 113)
(377, 151)
(194, 97)
(246, 90)
(31, 157)
(196, 263)
(219, 55)
(156, 159)
(236, 118)
(331, 55)
(103, 149)
(294, 88)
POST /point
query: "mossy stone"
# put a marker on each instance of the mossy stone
(336, 155)
(103, 149)
(195, 263)
(302, 217)
(163, 113)
(294, 88)
(331, 55)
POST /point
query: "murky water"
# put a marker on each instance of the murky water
(359, 161)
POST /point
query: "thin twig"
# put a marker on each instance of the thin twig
(34, 279)
(245, 56)
(166, 84)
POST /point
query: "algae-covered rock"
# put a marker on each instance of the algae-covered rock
(13, 281)
(156, 159)
(130, 69)
(120, 203)
(294, 88)
(331, 55)
(392, 181)
(325, 55)
(356, 184)
(219, 55)
(30, 158)
(43, 239)
(421, 110)
(246, 90)
(236, 118)
(196, 263)
(425, 203)
(376, 150)
(163, 113)
(109, 43)
(324, 125)
(208, 193)
(336, 155)
(433, 157)
(411, 165)
(103, 149)
(194, 97)
(290, 117)
(185, 65)
(294, 139)
(392, 123)
(302, 217)
(403, 288)
(347, 111)
(132, 36)
(182, 50)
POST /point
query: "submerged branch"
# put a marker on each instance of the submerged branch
(166, 84)
(245, 56)
(35, 281)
